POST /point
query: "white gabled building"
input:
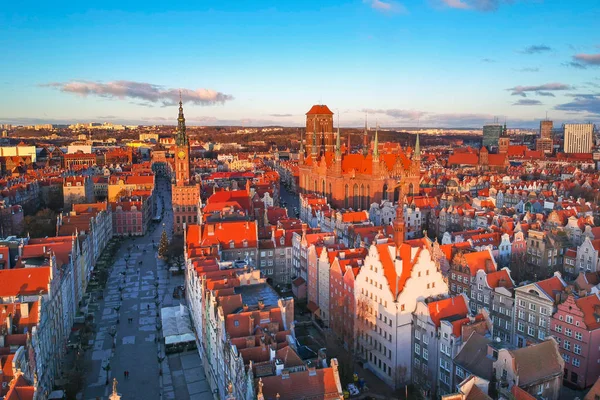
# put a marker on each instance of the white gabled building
(389, 285)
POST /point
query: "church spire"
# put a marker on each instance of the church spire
(376, 143)
(338, 140)
(417, 155)
(365, 141)
(181, 139)
(301, 152)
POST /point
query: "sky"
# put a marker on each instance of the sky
(417, 63)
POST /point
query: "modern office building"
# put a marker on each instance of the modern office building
(491, 135)
(579, 138)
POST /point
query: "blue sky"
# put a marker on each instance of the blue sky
(426, 63)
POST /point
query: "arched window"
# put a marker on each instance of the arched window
(315, 187)
(356, 199)
(323, 187)
(330, 192)
(411, 189)
(385, 189)
(368, 196)
(346, 196)
(396, 194)
(363, 200)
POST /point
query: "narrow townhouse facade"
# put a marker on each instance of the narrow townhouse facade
(534, 305)
(576, 327)
(427, 319)
(77, 189)
(587, 259)
(464, 267)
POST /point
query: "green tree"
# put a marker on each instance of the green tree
(42, 224)
(163, 246)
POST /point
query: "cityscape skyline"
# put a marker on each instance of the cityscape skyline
(447, 63)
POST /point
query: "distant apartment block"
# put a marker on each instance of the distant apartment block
(579, 138)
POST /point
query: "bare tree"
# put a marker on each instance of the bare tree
(364, 323)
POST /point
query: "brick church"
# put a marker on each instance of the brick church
(186, 194)
(353, 180)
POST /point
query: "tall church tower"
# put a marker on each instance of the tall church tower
(182, 151)
(319, 126)
(503, 141)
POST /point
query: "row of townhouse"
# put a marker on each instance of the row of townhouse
(530, 313)
(50, 275)
(245, 333)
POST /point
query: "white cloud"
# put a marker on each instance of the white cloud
(141, 91)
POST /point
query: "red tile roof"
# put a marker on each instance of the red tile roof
(453, 306)
(319, 109)
(480, 260)
(20, 389)
(500, 278)
(590, 306)
(302, 385)
(552, 285)
(24, 281)
(520, 394)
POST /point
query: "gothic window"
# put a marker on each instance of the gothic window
(330, 192)
(323, 187)
(368, 196)
(346, 196)
(315, 187)
(356, 199)
(363, 200)
(385, 189)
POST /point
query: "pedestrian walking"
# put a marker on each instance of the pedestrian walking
(124, 374)
(127, 374)
(148, 306)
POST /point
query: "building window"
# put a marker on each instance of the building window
(578, 336)
(558, 328)
(576, 362)
(417, 348)
(530, 331)
(569, 319)
(576, 349)
(567, 345)
(568, 332)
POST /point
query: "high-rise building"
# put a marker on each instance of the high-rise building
(579, 138)
(546, 129)
(186, 195)
(491, 135)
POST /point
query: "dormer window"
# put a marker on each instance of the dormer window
(231, 244)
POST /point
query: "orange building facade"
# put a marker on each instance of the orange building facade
(353, 180)
(186, 194)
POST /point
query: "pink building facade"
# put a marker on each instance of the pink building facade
(575, 325)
